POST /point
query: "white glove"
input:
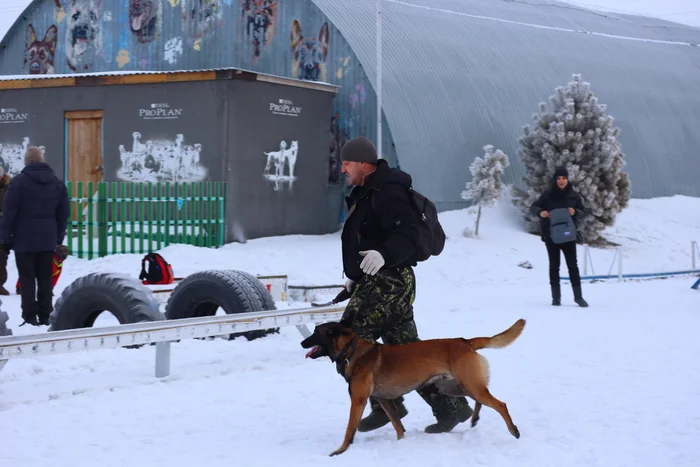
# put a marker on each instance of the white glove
(349, 285)
(372, 263)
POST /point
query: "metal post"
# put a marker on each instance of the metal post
(619, 263)
(585, 260)
(303, 330)
(693, 248)
(379, 78)
(162, 359)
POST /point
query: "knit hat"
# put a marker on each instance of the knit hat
(33, 155)
(359, 149)
(561, 172)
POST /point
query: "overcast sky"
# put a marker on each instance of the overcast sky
(682, 11)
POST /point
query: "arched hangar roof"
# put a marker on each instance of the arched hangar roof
(460, 74)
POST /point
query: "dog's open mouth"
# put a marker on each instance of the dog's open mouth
(315, 352)
(137, 21)
(311, 352)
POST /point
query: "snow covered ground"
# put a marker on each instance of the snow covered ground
(611, 385)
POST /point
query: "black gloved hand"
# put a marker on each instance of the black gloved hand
(61, 251)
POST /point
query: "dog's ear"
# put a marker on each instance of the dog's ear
(324, 37)
(295, 36)
(30, 36)
(50, 37)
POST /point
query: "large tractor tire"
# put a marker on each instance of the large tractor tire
(202, 293)
(124, 296)
(4, 330)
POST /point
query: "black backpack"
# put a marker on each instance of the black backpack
(159, 270)
(431, 236)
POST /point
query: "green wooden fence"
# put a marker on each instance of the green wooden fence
(121, 217)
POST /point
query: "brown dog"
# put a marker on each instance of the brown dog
(389, 371)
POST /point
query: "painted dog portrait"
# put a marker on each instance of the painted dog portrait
(39, 54)
(200, 18)
(309, 54)
(145, 19)
(260, 17)
(83, 33)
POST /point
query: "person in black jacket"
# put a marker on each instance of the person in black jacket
(34, 223)
(4, 253)
(561, 195)
(378, 250)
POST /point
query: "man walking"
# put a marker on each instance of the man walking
(378, 250)
(33, 224)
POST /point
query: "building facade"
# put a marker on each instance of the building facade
(266, 137)
(457, 75)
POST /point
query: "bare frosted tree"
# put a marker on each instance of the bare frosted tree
(486, 184)
(577, 133)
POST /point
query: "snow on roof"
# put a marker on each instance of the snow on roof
(103, 73)
(159, 72)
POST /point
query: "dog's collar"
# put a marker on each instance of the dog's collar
(342, 360)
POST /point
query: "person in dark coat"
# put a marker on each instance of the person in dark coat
(34, 222)
(561, 195)
(378, 250)
(4, 253)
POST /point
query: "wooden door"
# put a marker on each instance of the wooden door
(84, 156)
(84, 146)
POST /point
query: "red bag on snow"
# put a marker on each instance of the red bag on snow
(159, 270)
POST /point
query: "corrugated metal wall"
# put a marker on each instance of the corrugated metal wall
(457, 74)
(197, 34)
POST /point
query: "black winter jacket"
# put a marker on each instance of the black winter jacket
(555, 198)
(35, 211)
(381, 217)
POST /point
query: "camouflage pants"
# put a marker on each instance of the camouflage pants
(381, 306)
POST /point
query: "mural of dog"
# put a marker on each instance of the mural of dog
(286, 156)
(83, 33)
(39, 54)
(309, 55)
(200, 18)
(260, 20)
(145, 19)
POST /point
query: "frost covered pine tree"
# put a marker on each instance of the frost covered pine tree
(486, 185)
(577, 133)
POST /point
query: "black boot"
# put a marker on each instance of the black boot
(578, 296)
(556, 295)
(445, 425)
(43, 319)
(378, 418)
(30, 319)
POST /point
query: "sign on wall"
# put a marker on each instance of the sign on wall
(163, 135)
(281, 159)
(280, 156)
(15, 138)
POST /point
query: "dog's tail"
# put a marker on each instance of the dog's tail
(498, 341)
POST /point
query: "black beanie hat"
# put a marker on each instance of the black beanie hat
(561, 172)
(359, 149)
